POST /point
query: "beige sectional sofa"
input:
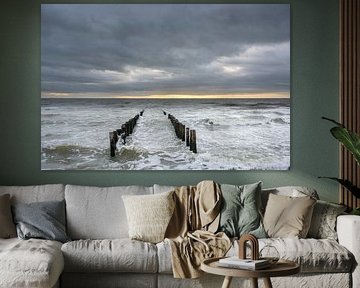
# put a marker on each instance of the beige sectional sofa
(102, 255)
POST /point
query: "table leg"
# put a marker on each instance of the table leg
(254, 282)
(267, 283)
(227, 282)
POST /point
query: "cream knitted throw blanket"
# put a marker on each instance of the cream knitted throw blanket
(191, 231)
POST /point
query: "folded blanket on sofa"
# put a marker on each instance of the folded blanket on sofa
(191, 231)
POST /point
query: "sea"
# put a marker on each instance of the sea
(232, 134)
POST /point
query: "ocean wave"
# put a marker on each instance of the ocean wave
(131, 153)
(69, 150)
(279, 121)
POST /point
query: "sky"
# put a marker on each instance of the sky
(165, 50)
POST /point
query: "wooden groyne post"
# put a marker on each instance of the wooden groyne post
(113, 140)
(184, 133)
(125, 130)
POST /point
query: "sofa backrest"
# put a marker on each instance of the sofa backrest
(36, 193)
(98, 212)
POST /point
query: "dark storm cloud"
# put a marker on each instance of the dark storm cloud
(152, 48)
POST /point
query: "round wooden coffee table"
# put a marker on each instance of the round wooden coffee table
(281, 268)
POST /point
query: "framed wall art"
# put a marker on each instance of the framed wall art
(165, 86)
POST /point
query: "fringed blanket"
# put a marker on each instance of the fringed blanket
(191, 231)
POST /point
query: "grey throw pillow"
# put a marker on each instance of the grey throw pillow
(240, 213)
(323, 222)
(44, 220)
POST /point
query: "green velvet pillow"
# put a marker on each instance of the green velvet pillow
(240, 212)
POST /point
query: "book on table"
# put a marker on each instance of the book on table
(236, 262)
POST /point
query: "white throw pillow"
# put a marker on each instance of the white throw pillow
(149, 215)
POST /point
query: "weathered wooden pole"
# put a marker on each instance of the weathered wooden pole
(193, 141)
(182, 132)
(187, 136)
(113, 140)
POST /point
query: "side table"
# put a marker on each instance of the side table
(281, 268)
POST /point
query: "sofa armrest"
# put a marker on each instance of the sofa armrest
(348, 230)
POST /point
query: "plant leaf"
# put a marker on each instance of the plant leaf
(347, 184)
(349, 139)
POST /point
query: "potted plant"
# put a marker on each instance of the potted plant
(351, 141)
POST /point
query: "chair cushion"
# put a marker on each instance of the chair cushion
(30, 263)
(117, 255)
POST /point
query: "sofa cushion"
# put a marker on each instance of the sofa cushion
(291, 191)
(43, 220)
(36, 193)
(116, 255)
(323, 222)
(240, 210)
(7, 226)
(149, 215)
(98, 213)
(313, 255)
(30, 263)
(287, 216)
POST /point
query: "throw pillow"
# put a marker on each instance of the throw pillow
(323, 222)
(240, 213)
(149, 215)
(287, 217)
(44, 220)
(7, 226)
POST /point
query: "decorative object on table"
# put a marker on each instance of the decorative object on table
(254, 246)
(270, 253)
(241, 261)
(351, 142)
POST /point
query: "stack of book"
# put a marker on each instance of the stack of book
(236, 262)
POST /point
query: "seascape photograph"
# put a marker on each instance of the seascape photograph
(115, 76)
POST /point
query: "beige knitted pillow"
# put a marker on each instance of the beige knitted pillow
(149, 215)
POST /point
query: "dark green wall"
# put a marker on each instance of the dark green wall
(314, 93)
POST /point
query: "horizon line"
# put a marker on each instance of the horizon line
(263, 95)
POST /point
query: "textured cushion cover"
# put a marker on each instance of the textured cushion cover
(313, 255)
(117, 255)
(7, 226)
(323, 223)
(288, 216)
(31, 263)
(45, 220)
(240, 213)
(149, 215)
(98, 212)
(35, 193)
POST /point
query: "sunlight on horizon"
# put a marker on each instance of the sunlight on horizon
(270, 95)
